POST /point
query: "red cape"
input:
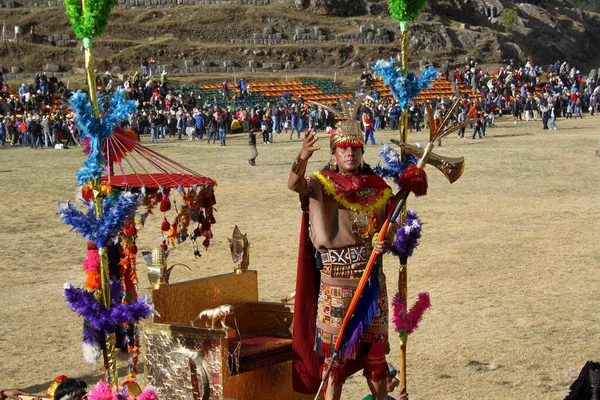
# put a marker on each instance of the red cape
(305, 361)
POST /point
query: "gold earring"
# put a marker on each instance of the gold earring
(332, 164)
(362, 164)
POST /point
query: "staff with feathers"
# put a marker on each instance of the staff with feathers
(88, 20)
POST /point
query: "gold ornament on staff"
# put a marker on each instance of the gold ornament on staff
(158, 271)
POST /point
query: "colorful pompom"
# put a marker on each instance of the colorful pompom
(87, 193)
(92, 261)
(93, 281)
(406, 10)
(102, 391)
(408, 321)
(407, 237)
(148, 394)
(414, 179)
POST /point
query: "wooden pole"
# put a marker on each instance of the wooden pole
(110, 339)
(402, 277)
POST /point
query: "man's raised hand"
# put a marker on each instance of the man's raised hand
(308, 144)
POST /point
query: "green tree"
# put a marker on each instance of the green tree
(509, 19)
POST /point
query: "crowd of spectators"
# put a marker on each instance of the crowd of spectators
(37, 114)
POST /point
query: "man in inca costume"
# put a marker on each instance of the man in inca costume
(346, 208)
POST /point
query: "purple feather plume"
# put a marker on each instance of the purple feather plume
(99, 318)
(407, 237)
(90, 335)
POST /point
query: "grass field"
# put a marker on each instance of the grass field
(509, 255)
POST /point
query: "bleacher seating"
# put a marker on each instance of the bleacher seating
(323, 91)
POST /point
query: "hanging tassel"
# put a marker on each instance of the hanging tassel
(211, 217)
(165, 203)
(164, 245)
(414, 179)
(165, 226)
(130, 230)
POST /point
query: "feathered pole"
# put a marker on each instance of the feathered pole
(88, 20)
(404, 11)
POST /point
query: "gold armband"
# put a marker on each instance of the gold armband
(299, 166)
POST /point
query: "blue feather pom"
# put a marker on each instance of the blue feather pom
(101, 231)
(404, 86)
(394, 167)
(98, 129)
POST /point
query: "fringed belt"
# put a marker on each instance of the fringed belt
(347, 262)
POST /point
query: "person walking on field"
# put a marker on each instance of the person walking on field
(211, 129)
(367, 121)
(254, 130)
(190, 126)
(180, 126)
(221, 127)
(267, 129)
(462, 117)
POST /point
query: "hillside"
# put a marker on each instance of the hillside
(237, 37)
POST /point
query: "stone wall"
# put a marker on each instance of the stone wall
(132, 3)
(30, 3)
(316, 35)
(63, 40)
(27, 76)
(341, 8)
(155, 3)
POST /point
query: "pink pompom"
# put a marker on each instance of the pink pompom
(408, 321)
(92, 262)
(147, 394)
(102, 391)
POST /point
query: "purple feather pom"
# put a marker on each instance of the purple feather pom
(90, 335)
(99, 318)
(407, 237)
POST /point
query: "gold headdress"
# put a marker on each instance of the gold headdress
(348, 131)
